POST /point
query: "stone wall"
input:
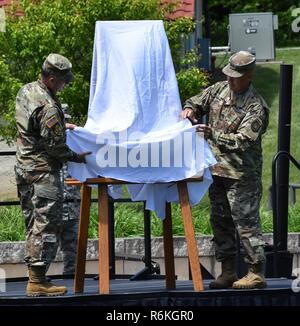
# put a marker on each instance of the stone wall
(12, 253)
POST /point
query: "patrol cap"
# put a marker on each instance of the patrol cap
(60, 65)
(239, 64)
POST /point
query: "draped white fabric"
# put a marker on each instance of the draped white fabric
(133, 128)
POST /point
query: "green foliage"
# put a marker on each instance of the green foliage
(177, 31)
(67, 27)
(294, 218)
(8, 88)
(190, 78)
(129, 221)
(12, 227)
(191, 81)
(61, 26)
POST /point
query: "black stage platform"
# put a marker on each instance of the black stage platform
(153, 293)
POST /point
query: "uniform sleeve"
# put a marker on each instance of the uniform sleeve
(53, 134)
(200, 103)
(250, 129)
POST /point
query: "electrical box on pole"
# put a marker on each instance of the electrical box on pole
(253, 32)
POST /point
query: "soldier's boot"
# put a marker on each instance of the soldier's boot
(253, 280)
(227, 277)
(38, 285)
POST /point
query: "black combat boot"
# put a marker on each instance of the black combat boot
(227, 277)
(38, 285)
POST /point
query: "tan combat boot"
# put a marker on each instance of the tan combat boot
(38, 286)
(253, 280)
(228, 276)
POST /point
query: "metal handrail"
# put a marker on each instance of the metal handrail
(274, 202)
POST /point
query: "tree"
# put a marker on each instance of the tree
(66, 27)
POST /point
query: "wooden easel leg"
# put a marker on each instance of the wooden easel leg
(82, 239)
(103, 239)
(190, 236)
(168, 249)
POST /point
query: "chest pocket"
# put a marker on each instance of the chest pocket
(216, 119)
(233, 119)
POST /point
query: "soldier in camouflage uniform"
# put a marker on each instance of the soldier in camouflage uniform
(237, 118)
(71, 212)
(41, 150)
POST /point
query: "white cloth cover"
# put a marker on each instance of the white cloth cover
(133, 128)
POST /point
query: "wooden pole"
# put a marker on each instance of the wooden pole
(103, 239)
(82, 238)
(190, 236)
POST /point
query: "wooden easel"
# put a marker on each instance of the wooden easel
(104, 240)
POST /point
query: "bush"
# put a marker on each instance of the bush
(8, 89)
(190, 78)
(62, 26)
(190, 82)
(67, 27)
(129, 221)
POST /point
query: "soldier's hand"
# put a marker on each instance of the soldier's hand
(207, 130)
(189, 114)
(70, 126)
(81, 157)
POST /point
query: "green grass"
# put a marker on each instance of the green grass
(267, 82)
(12, 227)
(129, 217)
(129, 221)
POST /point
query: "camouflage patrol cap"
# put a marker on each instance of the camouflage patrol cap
(239, 64)
(60, 65)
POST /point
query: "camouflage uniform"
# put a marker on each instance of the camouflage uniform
(69, 230)
(71, 212)
(237, 121)
(41, 150)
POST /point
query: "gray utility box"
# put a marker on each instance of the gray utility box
(253, 32)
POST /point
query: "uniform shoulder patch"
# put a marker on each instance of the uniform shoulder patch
(52, 122)
(256, 125)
